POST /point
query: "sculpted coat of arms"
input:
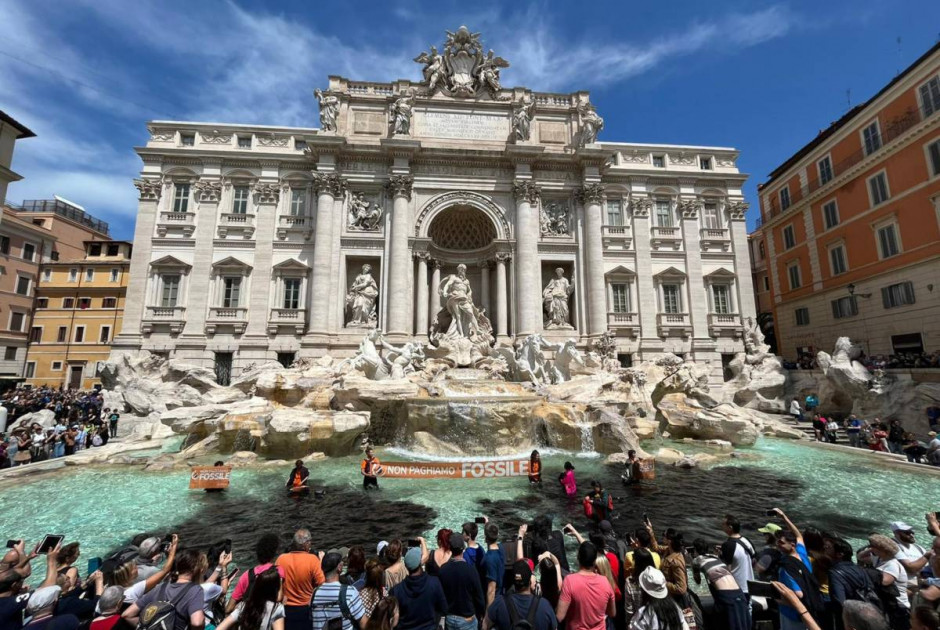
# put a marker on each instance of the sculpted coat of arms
(462, 69)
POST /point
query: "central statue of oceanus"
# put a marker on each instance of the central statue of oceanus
(460, 332)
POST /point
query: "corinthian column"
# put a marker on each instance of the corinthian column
(400, 311)
(435, 283)
(528, 275)
(485, 287)
(328, 187)
(421, 324)
(501, 311)
(591, 197)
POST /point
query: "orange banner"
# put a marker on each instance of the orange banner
(454, 470)
(209, 477)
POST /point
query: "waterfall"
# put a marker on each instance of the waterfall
(243, 441)
(587, 438)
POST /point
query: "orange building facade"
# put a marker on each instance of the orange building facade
(850, 227)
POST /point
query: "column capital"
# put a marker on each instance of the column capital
(484, 264)
(425, 256)
(526, 191)
(437, 264)
(689, 208)
(503, 257)
(267, 192)
(642, 206)
(737, 209)
(329, 183)
(149, 189)
(591, 193)
(400, 185)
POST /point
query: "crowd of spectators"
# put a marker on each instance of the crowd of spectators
(902, 360)
(73, 420)
(798, 578)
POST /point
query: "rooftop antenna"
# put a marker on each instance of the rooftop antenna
(848, 98)
(898, 69)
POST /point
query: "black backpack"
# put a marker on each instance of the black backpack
(161, 613)
(517, 623)
(804, 577)
(867, 592)
(334, 623)
(887, 594)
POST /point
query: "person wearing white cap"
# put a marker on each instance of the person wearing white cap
(912, 556)
(659, 611)
(41, 609)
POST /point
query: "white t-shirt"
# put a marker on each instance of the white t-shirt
(740, 566)
(272, 612)
(644, 619)
(908, 553)
(893, 567)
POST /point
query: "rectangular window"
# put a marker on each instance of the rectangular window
(187, 139)
(240, 200)
(94, 250)
(793, 273)
(614, 214)
(837, 260)
(244, 142)
(621, 298)
(9, 353)
(710, 217)
(845, 307)
(766, 283)
(105, 335)
(89, 275)
(721, 299)
(22, 285)
(42, 302)
(47, 275)
(663, 213)
(35, 334)
(825, 170)
(872, 137)
(56, 366)
(659, 161)
(113, 249)
(671, 303)
(68, 302)
(934, 151)
(79, 334)
(109, 302)
(878, 187)
(802, 316)
(73, 275)
(830, 214)
(298, 201)
(285, 358)
(232, 292)
(292, 293)
(784, 198)
(62, 335)
(930, 96)
(84, 303)
(54, 256)
(29, 251)
(898, 294)
(31, 369)
(171, 288)
(16, 321)
(4, 245)
(705, 164)
(181, 198)
(789, 237)
(888, 241)
(114, 275)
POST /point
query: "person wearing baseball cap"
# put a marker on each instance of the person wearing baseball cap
(461, 583)
(912, 556)
(767, 557)
(658, 610)
(41, 609)
(521, 604)
(421, 601)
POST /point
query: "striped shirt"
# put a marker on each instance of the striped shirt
(325, 605)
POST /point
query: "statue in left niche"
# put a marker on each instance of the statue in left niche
(400, 111)
(361, 213)
(361, 300)
(329, 109)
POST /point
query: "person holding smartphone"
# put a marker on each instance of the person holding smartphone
(796, 573)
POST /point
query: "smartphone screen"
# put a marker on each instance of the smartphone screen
(12, 543)
(414, 542)
(479, 520)
(50, 542)
(93, 565)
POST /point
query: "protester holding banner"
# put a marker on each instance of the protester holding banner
(370, 468)
(535, 468)
(297, 481)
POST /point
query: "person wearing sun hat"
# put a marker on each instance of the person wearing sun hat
(658, 610)
(765, 560)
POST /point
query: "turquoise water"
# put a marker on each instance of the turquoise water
(105, 507)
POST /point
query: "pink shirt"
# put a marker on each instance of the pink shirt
(587, 597)
(242, 587)
(570, 486)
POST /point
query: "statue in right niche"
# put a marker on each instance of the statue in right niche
(555, 297)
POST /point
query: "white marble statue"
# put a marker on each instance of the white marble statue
(329, 109)
(361, 213)
(360, 300)
(567, 358)
(553, 219)
(591, 123)
(434, 71)
(457, 298)
(405, 359)
(462, 69)
(488, 72)
(555, 298)
(522, 118)
(400, 111)
(368, 360)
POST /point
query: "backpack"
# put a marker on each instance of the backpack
(161, 613)
(334, 623)
(887, 594)
(868, 593)
(802, 575)
(515, 622)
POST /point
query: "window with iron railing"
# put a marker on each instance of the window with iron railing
(825, 170)
(872, 138)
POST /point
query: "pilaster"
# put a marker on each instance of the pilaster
(698, 299)
(592, 195)
(328, 187)
(267, 197)
(647, 306)
(528, 296)
(737, 213)
(400, 267)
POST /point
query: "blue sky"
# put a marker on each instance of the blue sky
(764, 77)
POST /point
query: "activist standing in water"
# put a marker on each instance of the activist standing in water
(297, 482)
(535, 468)
(369, 469)
(567, 480)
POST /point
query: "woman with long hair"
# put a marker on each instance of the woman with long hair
(261, 608)
(374, 590)
(384, 616)
(66, 560)
(550, 578)
(440, 556)
(125, 574)
(355, 567)
(188, 569)
(602, 567)
(535, 468)
(658, 611)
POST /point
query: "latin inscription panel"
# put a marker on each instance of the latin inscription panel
(462, 126)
